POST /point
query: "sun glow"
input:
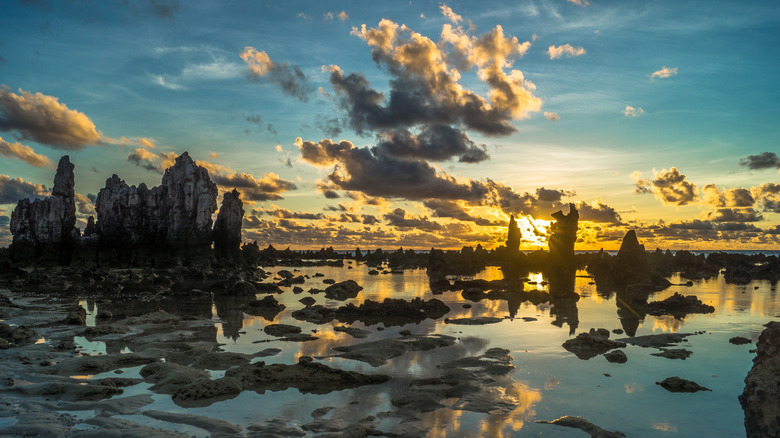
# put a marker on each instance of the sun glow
(534, 232)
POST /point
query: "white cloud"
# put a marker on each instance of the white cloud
(566, 49)
(664, 72)
(630, 111)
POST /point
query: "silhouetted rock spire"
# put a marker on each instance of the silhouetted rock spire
(46, 227)
(562, 238)
(227, 228)
(513, 235)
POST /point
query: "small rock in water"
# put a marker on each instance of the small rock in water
(677, 384)
(739, 340)
(617, 356)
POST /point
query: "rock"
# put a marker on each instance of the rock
(76, 316)
(227, 227)
(740, 340)
(167, 223)
(317, 314)
(678, 306)
(343, 290)
(211, 425)
(617, 356)
(377, 353)
(479, 320)
(591, 344)
(307, 301)
(392, 311)
(242, 288)
(169, 377)
(563, 235)
(46, 228)
(676, 384)
(657, 341)
(16, 336)
(584, 425)
(761, 397)
(267, 307)
(673, 353)
(281, 330)
(352, 331)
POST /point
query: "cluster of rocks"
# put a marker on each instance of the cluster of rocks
(169, 224)
(761, 397)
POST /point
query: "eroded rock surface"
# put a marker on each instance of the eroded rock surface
(592, 343)
(227, 227)
(678, 306)
(761, 397)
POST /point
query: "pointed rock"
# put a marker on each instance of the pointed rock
(227, 228)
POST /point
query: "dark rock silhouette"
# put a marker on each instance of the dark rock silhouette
(562, 238)
(44, 230)
(227, 228)
(761, 398)
(167, 223)
(163, 226)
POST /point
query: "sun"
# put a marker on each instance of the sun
(534, 232)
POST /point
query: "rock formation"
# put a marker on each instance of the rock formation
(227, 228)
(513, 236)
(562, 239)
(168, 222)
(761, 398)
(165, 225)
(44, 229)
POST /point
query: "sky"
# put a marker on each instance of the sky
(410, 124)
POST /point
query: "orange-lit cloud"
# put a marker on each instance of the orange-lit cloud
(552, 116)
(568, 50)
(288, 77)
(670, 186)
(664, 72)
(44, 119)
(14, 189)
(24, 153)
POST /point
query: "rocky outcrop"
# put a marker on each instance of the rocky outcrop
(562, 239)
(170, 222)
(761, 398)
(227, 228)
(44, 229)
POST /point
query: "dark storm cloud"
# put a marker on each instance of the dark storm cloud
(764, 160)
(436, 143)
(548, 195)
(288, 77)
(14, 189)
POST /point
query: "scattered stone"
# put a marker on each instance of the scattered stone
(678, 306)
(266, 307)
(676, 384)
(352, 331)
(657, 341)
(616, 356)
(673, 353)
(585, 426)
(343, 290)
(591, 344)
(740, 340)
(479, 320)
(377, 353)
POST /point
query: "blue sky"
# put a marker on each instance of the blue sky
(617, 94)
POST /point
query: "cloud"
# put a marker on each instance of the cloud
(164, 8)
(768, 196)
(288, 77)
(398, 218)
(456, 210)
(268, 188)
(670, 186)
(734, 197)
(452, 16)
(630, 111)
(552, 116)
(328, 16)
(765, 160)
(566, 49)
(734, 215)
(424, 88)
(43, 119)
(598, 212)
(283, 213)
(664, 72)
(582, 3)
(84, 205)
(437, 143)
(24, 153)
(14, 189)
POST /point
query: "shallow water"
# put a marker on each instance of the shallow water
(549, 382)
